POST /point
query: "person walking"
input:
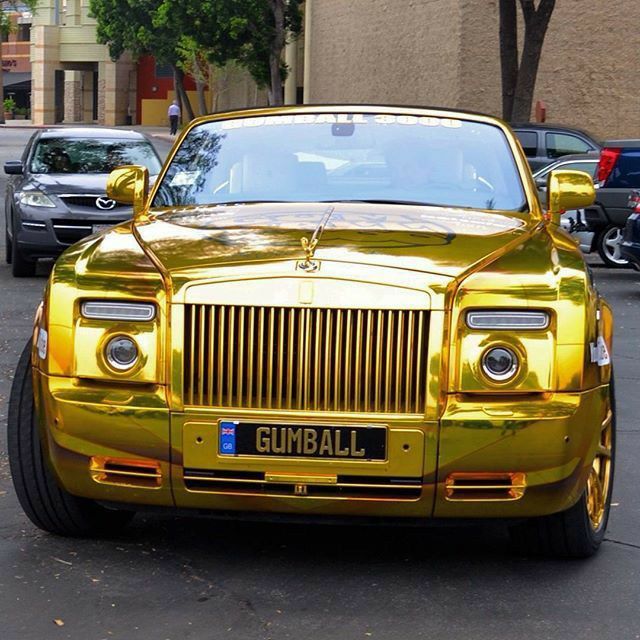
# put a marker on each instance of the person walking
(174, 116)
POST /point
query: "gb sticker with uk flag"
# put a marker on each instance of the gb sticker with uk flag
(228, 438)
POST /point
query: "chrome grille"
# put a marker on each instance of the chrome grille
(347, 360)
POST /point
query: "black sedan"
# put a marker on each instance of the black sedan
(57, 191)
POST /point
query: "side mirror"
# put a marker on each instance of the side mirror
(568, 190)
(130, 185)
(13, 168)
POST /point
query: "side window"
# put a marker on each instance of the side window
(529, 142)
(626, 173)
(564, 144)
(587, 167)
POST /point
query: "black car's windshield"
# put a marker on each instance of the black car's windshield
(343, 157)
(91, 155)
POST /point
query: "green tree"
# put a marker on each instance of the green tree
(252, 33)
(519, 77)
(131, 25)
(7, 7)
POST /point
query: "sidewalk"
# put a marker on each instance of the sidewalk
(155, 132)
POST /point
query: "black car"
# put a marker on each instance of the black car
(57, 192)
(544, 143)
(617, 177)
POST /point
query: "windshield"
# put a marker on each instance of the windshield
(344, 157)
(91, 155)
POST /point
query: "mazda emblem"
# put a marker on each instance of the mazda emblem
(105, 203)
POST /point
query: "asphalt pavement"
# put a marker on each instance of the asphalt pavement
(173, 578)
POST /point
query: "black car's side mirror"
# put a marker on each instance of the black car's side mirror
(13, 168)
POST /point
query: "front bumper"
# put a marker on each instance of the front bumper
(46, 233)
(543, 442)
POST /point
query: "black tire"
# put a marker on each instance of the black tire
(605, 241)
(20, 266)
(568, 534)
(46, 504)
(7, 244)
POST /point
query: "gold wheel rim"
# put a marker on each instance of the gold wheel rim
(599, 480)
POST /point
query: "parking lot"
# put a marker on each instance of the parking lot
(174, 578)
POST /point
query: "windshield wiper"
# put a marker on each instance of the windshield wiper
(415, 203)
(230, 203)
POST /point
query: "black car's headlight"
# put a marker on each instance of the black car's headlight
(36, 199)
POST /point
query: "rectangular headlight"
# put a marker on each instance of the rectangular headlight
(508, 320)
(126, 311)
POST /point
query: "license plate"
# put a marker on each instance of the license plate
(101, 227)
(302, 441)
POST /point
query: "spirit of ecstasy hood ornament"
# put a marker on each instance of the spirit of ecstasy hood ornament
(309, 246)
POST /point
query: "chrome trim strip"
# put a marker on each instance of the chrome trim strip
(527, 320)
(128, 311)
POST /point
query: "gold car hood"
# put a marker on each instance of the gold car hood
(445, 241)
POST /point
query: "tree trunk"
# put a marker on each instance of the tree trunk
(181, 94)
(275, 53)
(536, 22)
(202, 102)
(508, 55)
(201, 77)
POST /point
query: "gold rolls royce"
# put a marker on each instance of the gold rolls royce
(357, 312)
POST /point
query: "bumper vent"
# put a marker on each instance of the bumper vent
(348, 360)
(485, 487)
(256, 483)
(130, 473)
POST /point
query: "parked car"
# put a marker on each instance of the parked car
(57, 192)
(630, 246)
(544, 143)
(572, 221)
(617, 177)
(266, 337)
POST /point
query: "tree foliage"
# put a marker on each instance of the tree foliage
(519, 76)
(252, 33)
(131, 25)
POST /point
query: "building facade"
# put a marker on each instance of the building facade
(413, 52)
(446, 53)
(16, 64)
(73, 78)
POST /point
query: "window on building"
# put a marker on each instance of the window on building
(4, 37)
(24, 33)
(164, 71)
(563, 144)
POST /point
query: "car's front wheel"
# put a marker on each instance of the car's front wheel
(47, 504)
(578, 531)
(609, 245)
(7, 244)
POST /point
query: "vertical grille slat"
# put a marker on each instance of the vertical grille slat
(347, 360)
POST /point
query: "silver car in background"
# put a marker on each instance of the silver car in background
(572, 221)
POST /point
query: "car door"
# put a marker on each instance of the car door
(625, 177)
(14, 183)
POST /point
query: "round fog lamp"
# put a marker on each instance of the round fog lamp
(121, 353)
(500, 363)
